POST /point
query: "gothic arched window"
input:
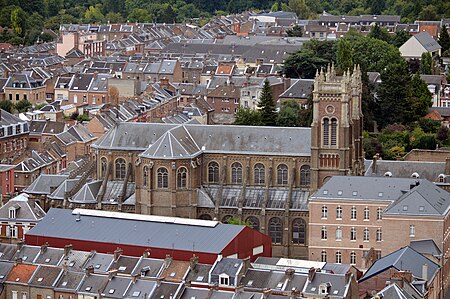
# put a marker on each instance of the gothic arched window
(305, 176)
(333, 131)
(213, 172)
(104, 166)
(163, 177)
(282, 174)
(326, 132)
(145, 176)
(236, 173)
(298, 231)
(120, 169)
(182, 178)
(276, 230)
(259, 173)
(253, 222)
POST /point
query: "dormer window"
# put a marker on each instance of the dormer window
(12, 213)
(224, 279)
(441, 178)
(323, 288)
(415, 175)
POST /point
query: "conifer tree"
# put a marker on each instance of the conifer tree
(267, 105)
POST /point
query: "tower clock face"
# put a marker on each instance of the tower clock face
(329, 109)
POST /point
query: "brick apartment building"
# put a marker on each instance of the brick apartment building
(13, 136)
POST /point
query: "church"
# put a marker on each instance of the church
(262, 176)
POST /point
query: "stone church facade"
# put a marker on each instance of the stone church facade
(260, 175)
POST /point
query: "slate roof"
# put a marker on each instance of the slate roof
(166, 290)
(49, 256)
(426, 246)
(424, 199)
(120, 231)
(116, 287)
(45, 276)
(27, 253)
(69, 281)
(338, 284)
(100, 261)
(222, 139)
(44, 183)
(149, 267)
(75, 260)
(7, 252)
(393, 291)
(427, 41)
(200, 273)
(8, 119)
(405, 169)
(229, 266)
(405, 258)
(301, 88)
(24, 210)
(125, 264)
(140, 289)
(363, 188)
(93, 284)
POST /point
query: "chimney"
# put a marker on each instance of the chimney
(146, 253)
(447, 165)
(246, 264)
(89, 270)
(295, 292)
(167, 261)
(67, 249)
(112, 273)
(117, 253)
(44, 247)
(193, 262)
(425, 272)
(65, 265)
(348, 277)
(18, 261)
(289, 272)
(134, 278)
(95, 75)
(374, 162)
(311, 274)
(266, 293)
(19, 245)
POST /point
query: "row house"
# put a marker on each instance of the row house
(24, 86)
(6, 181)
(42, 131)
(13, 136)
(17, 217)
(75, 141)
(47, 272)
(154, 71)
(86, 42)
(88, 89)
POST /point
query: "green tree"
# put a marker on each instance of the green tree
(94, 15)
(114, 17)
(267, 105)
(393, 94)
(429, 125)
(248, 117)
(18, 21)
(379, 33)
(237, 221)
(428, 13)
(400, 38)
(7, 106)
(289, 115)
(344, 55)
(140, 15)
(23, 105)
(376, 6)
(442, 134)
(295, 31)
(300, 8)
(313, 55)
(421, 98)
(444, 39)
(426, 64)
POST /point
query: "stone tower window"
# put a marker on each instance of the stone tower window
(326, 132)
(333, 131)
(145, 176)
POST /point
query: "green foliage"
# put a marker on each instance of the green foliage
(400, 38)
(444, 39)
(344, 55)
(289, 115)
(300, 8)
(442, 134)
(313, 56)
(94, 15)
(7, 106)
(83, 117)
(18, 21)
(393, 92)
(379, 33)
(267, 105)
(426, 64)
(429, 125)
(237, 221)
(23, 105)
(248, 117)
(421, 98)
(295, 31)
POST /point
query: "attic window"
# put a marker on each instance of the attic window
(97, 266)
(279, 285)
(122, 268)
(136, 293)
(335, 292)
(64, 283)
(172, 274)
(380, 194)
(325, 192)
(354, 193)
(71, 264)
(405, 208)
(339, 192)
(88, 289)
(18, 278)
(47, 260)
(111, 291)
(313, 289)
(250, 283)
(421, 208)
(200, 278)
(40, 279)
(24, 258)
(2, 276)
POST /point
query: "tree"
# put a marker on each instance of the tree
(7, 106)
(429, 125)
(400, 38)
(114, 17)
(376, 6)
(442, 134)
(426, 64)
(344, 55)
(248, 117)
(94, 15)
(428, 13)
(267, 105)
(295, 31)
(139, 15)
(444, 39)
(23, 105)
(421, 98)
(289, 115)
(313, 55)
(379, 33)
(18, 21)
(300, 8)
(393, 93)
